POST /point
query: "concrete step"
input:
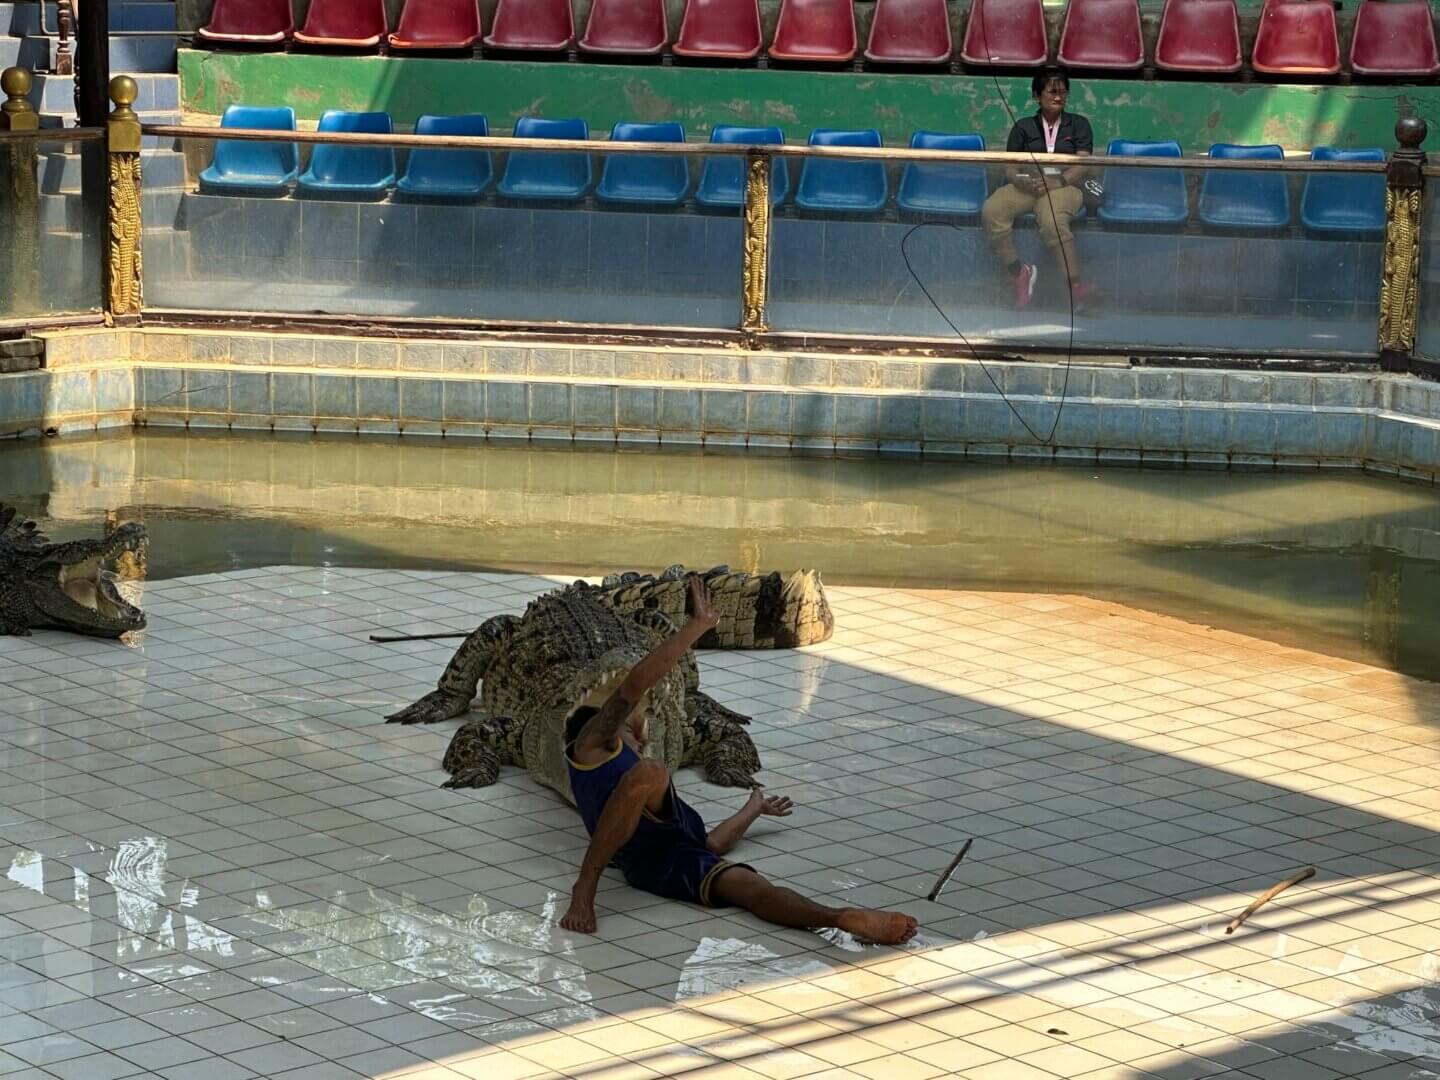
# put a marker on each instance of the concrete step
(159, 92)
(28, 52)
(128, 54)
(65, 212)
(22, 19)
(160, 170)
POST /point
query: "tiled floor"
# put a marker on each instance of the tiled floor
(221, 863)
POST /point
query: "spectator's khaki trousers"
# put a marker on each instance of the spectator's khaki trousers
(1052, 215)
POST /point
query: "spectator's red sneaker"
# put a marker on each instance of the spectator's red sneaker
(1083, 296)
(1025, 279)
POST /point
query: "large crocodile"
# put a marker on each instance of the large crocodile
(570, 649)
(65, 586)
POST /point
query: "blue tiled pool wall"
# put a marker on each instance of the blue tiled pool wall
(822, 404)
(826, 274)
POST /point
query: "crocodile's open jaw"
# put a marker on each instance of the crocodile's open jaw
(87, 598)
(91, 585)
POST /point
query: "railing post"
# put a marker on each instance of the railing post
(65, 18)
(20, 218)
(756, 259)
(1400, 283)
(123, 280)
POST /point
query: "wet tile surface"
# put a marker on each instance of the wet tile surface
(219, 862)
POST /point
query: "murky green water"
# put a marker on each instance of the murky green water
(1337, 561)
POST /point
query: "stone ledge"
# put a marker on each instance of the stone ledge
(799, 403)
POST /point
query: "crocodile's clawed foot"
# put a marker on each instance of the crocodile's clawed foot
(434, 706)
(482, 775)
(729, 774)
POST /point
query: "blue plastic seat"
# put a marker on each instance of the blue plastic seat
(1245, 200)
(253, 168)
(830, 184)
(355, 171)
(650, 179)
(959, 190)
(538, 174)
(448, 174)
(1336, 204)
(722, 181)
(1144, 196)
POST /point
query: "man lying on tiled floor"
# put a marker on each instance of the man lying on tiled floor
(635, 817)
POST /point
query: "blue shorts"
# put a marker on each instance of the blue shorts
(667, 855)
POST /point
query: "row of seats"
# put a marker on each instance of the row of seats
(1332, 204)
(1392, 38)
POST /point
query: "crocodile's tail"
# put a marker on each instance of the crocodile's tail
(806, 618)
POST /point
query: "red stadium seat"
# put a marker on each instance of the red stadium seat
(1102, 34)
(815, 32)
(1394, 37)
(1297, 37)
(720, 30)
(626, 28)
(1005, 33)
(249, 22)
(909, 32)
(345, 24)
(533, 25)
(1199, 35)
(437, 24)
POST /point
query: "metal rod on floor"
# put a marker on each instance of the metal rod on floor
(418, 637)
(1269, 894)
(944, 877)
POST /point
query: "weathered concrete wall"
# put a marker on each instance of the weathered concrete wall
(1198, 114)
(727, 398)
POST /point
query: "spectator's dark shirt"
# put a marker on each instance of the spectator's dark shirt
(1075, 136)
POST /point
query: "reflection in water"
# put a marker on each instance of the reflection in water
(27, 869)
(721, 964)
(512, 975)
(1335, 561)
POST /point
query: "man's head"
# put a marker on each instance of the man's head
(576, 721)
(1051, 88)
(635, 727)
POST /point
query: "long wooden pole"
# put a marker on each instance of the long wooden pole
(92, 102)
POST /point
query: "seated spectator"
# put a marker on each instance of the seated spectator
(1052, 193)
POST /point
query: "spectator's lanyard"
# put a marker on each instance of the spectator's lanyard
(1051, 134)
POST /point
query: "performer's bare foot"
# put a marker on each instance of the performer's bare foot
(884, 927)
(581, 916)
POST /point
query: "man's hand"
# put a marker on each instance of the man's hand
(581, 916)
(769, 805)
(700, 609)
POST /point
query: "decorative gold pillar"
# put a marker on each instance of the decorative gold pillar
(1399, 284)
(123, 280)
(756, 259)
(19, 199)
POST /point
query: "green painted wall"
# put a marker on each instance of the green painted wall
(1196, 113)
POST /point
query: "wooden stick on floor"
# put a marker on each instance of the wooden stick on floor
(944, 877)
(416, 637)
(1268, 895)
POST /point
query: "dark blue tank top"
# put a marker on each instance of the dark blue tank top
(592, 785)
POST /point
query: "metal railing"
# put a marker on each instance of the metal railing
(1405, 174)
(771, 150)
